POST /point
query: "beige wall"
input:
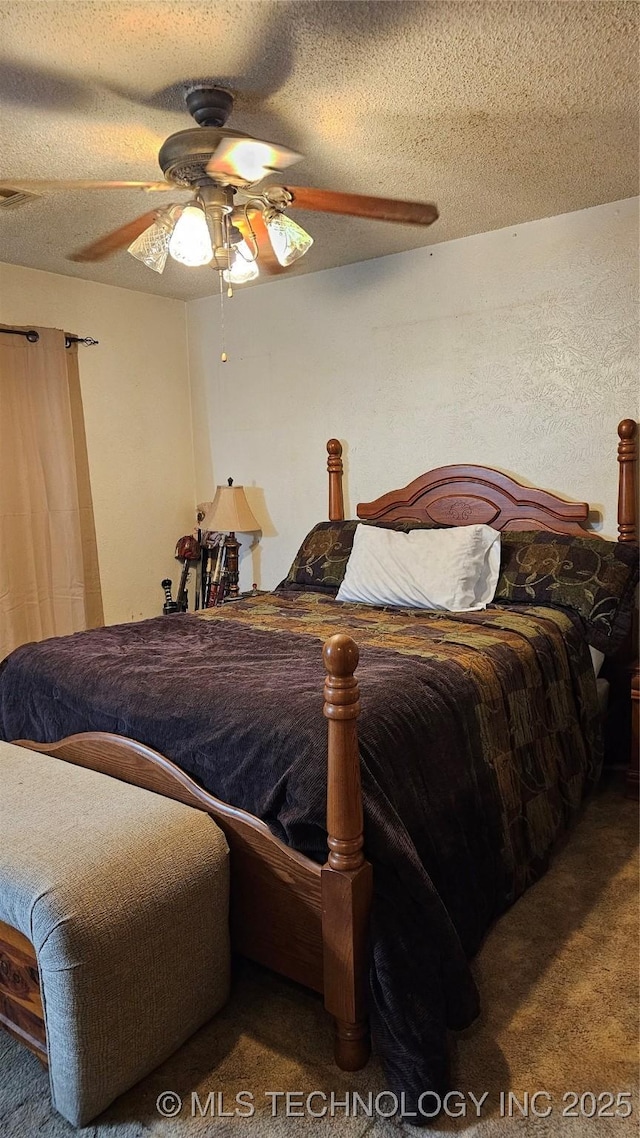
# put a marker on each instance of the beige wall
(516, 349)
(138, 418)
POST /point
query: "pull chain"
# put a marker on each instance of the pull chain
(223, 356)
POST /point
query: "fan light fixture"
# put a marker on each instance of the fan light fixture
(288, 239)
(152, 246)
(186, 234)
(242, 262)
(242, 266)
(219, 168)
(190, 242)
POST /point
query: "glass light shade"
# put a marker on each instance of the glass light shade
(152, 246)
(288, 240)
(190, 242)
(249, 159)
(243, 266)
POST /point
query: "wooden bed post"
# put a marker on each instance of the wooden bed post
(628, 531)
(334, 466)
(627, 482)
(346, 883)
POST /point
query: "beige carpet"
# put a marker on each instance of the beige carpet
(558, 978)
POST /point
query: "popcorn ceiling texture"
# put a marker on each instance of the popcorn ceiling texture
(499, 112)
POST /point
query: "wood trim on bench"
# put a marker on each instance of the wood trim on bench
(21, 1011)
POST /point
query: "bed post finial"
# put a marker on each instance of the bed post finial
(346, 882)
(334, 466)
(627, 481)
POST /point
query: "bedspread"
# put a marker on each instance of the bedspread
(478, 738)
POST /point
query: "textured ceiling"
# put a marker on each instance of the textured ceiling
(499, 112)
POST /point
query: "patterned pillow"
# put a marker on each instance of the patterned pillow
(320, 563)
(321, 560)
(595, 578)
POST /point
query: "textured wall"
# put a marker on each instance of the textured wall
(136, 402)
(516, 349)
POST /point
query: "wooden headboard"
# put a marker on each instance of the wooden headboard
(462, 495)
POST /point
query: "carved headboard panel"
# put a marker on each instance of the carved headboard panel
(462, 495)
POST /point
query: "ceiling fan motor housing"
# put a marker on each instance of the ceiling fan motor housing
(183, 157)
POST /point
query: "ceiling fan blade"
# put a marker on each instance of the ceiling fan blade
(267, 260)
(46, 186)
(250, 159)
(118, 239)
(359, 205)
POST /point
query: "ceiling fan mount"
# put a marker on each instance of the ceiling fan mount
(209, 106)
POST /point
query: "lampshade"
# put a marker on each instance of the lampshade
(190, 242)
(288, 239)
(229, 512)
(243, 266)
(152, 246)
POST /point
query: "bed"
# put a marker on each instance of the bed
(450, 839)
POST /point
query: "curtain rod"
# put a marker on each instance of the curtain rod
(32, 336)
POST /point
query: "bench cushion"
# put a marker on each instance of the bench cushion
(124, 895)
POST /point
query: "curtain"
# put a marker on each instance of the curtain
(49, 580)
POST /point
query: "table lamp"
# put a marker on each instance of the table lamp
(230, 513)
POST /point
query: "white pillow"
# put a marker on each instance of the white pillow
(455, 569)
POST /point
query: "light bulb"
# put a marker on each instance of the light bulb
(243, 250)
(288, 240)
(190, 241)
(243, 266)
(152, 246)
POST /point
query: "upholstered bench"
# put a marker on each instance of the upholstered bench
(123, 895)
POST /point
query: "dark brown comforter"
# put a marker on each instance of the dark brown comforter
(478, 739)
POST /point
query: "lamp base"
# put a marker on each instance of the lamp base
(231, 547)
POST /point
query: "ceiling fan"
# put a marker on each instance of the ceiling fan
(228, 223)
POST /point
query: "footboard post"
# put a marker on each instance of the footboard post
(346, 876)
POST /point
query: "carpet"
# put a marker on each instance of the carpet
(558, 977)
